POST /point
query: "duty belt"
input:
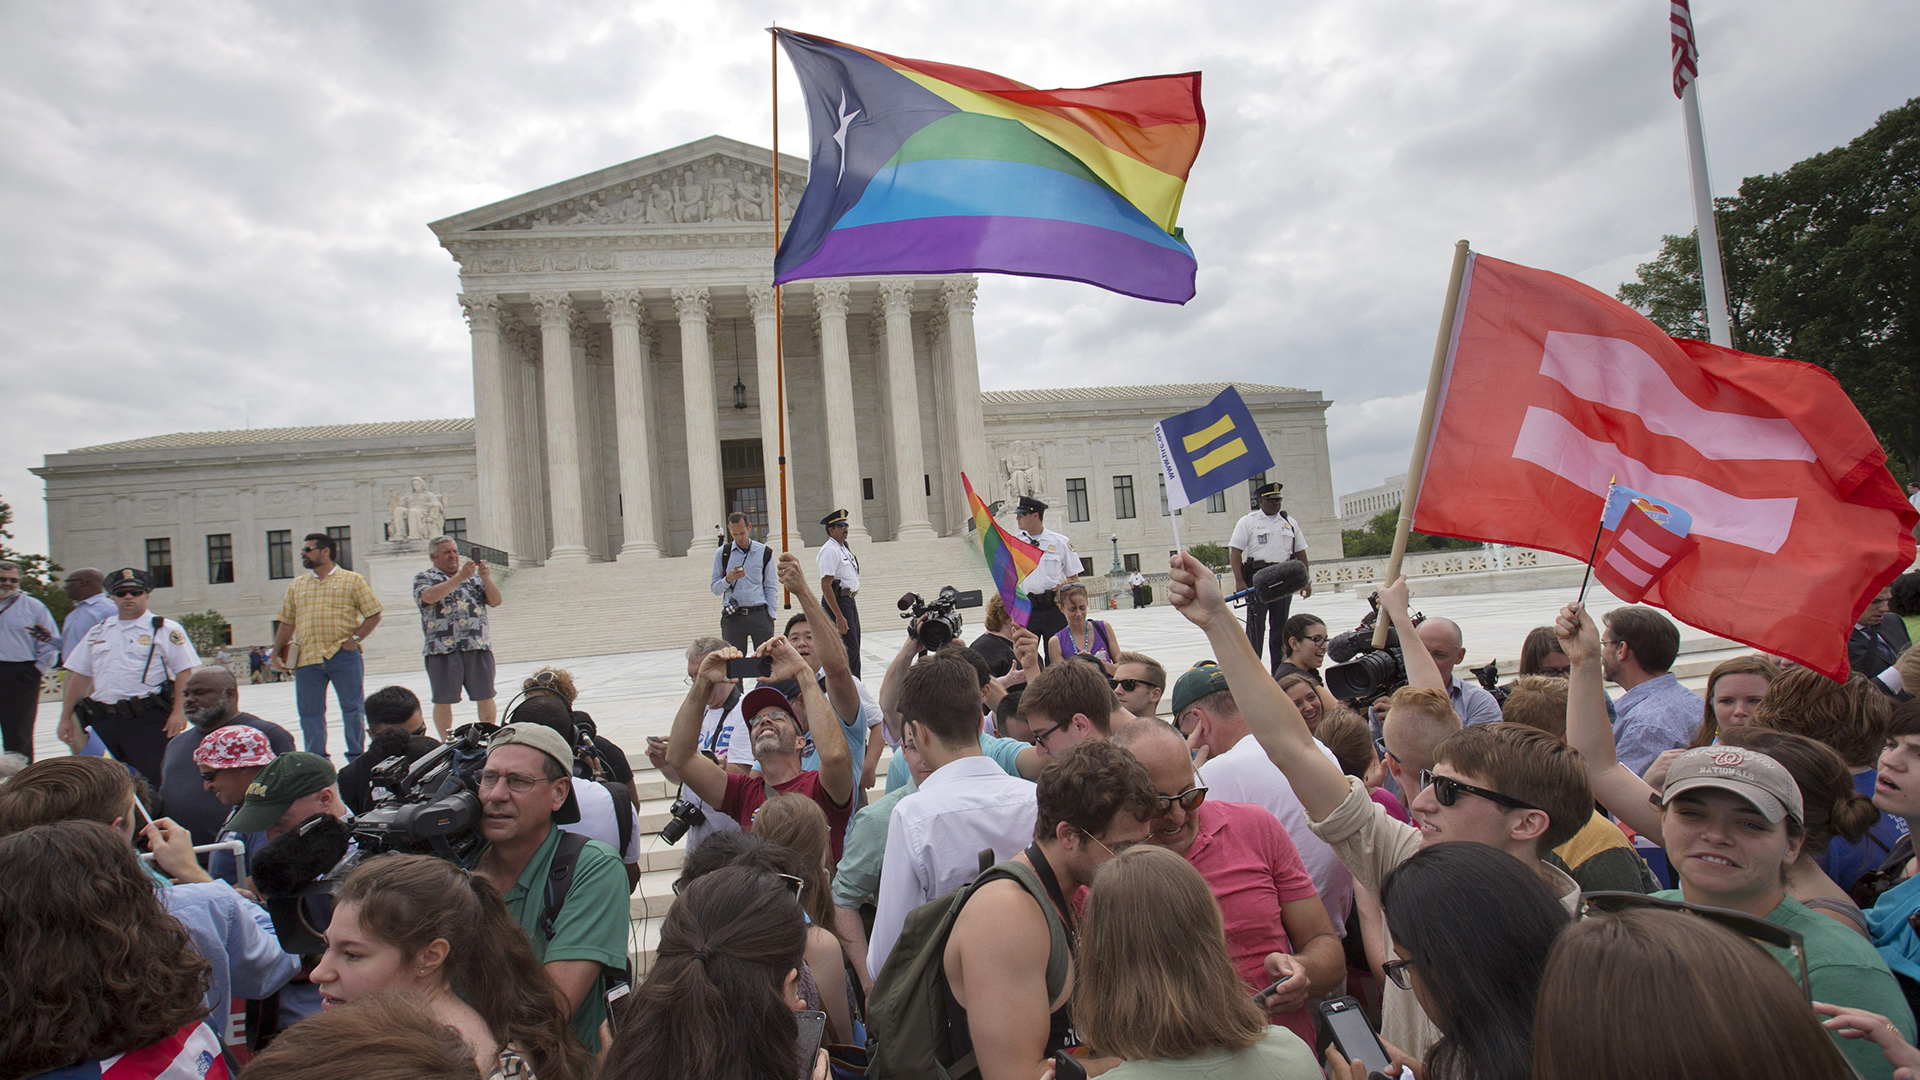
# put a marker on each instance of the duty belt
(839, 588)
(738, 610)
(1044, 599)
(129, 707)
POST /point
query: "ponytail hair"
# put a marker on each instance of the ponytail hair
(410, 901)
(1834, 807)
(714, 1005)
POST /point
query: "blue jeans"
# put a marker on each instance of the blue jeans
(343, 669)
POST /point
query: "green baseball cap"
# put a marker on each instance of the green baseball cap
(286, 779)
(1200, 680)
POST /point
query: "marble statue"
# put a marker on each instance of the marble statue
(1022, 465)
(418, 515)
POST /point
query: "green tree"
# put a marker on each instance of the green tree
(1212, 556)
(1377, 538)
(208, 630)
(1823, 266)
(39, 575)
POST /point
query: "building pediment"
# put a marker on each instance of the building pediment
(715, 181)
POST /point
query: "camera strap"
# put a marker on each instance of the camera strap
(1043, 870)
(559, 883)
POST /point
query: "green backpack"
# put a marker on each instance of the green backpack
(907, 1011)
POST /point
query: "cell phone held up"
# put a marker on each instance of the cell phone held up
(813, 1028)
(1067, 1067)
(1352, 1035)
(750, 667)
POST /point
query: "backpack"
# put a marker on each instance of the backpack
(559, 884)
(907, 1015)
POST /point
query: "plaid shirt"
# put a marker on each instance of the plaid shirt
(326, 611)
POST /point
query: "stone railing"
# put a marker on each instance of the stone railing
(1481, 560)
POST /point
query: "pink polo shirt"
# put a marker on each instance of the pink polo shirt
(1250, 863)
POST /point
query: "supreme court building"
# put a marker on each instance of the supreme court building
(624, 337)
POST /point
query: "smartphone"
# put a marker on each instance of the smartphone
(1352, 1035)
(1067, 1067)
(813, 1027)
(750, 667)
(615, 994)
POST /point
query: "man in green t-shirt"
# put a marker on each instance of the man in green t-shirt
(526, 793)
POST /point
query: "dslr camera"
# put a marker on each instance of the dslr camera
(942, 623)
(1360, 673)
(681, 816)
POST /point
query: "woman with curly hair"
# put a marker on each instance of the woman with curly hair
(94, 968)
(396, 922)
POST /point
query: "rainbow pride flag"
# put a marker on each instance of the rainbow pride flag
(926, 168)
(1009, 558)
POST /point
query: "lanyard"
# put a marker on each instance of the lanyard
(1044, 871)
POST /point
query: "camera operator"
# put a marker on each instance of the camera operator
(396, 727)
(606, 810)
(1444, 642)
(578, 929)
(743, 581)
(723, 735)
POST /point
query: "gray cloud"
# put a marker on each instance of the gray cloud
(215, 214)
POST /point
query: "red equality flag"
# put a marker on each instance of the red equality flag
(1552, 389)
(1638, 553)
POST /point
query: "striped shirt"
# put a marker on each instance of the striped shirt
(325, 612)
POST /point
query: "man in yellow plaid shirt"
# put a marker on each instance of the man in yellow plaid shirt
(324, 618)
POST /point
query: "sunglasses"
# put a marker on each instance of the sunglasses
(1447, 790)
(1751, 927)
(129, 592)
(1130, 685)
(794, 885)
(1189, 799)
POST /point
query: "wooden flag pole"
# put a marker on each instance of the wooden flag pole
(779, 321)
(1417, 464)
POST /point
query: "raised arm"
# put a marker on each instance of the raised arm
(890, 684)
(1614, 785)
(696, 770)
(1421, 670)
(829, 737)
(828, 649)
(1270, 714)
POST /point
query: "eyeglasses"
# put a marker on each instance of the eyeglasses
(1039, 738)
(1425, 778)
(129, 592)
(1751, 927)
(1189, 799)
(1557, 672)
(1317, 639)
(1398, 971)
(1447, 790)
(1130, 685)
(795, 885)
(518, 783)
(1111, 851)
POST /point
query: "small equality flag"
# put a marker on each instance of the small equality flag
(1009, 558)
(1643, 539)
(1207, 450)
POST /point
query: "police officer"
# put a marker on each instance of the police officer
(1059, 564)
(839, 581)
(124, 677)
(1262, 538)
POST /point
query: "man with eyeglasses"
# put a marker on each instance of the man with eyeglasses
(124, 679)
(212, 699)
(1138, 681)
(1507, 786)
(526, 794)
(28, 650)
(324, 617)
(1277, 929)
(1068, 704)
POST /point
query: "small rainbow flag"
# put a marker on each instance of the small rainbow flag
(920, 167)
(1009, 558)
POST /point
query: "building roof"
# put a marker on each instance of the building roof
(183, 439)
(1111, 393)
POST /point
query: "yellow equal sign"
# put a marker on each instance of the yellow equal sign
(1218, 456)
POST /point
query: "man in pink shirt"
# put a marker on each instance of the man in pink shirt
(1277, 928)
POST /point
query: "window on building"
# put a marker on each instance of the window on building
(342, 537)
(280, 554)
(866, 488)
(1077, 506)
(1216, 502)
(1131, 562)
(927, 479)
(1123, 496)
(220, 558)
(160, 562)
(1163, 495)
(456, 528)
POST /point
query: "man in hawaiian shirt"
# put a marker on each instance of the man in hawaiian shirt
(454, 598)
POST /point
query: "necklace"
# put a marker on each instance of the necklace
(1088, 645)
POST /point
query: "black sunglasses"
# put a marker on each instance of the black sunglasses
(129, 592)
(1751, 927)
(1039, 738)
(1447, 790)
(1130, 685)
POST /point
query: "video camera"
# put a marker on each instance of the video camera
(1361, 673)
(942, 623)
(434, 810)
(1489, 676)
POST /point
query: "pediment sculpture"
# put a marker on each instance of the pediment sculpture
(714, 189)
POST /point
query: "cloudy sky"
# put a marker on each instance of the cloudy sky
(213, 215)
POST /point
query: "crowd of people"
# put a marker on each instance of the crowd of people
(1076, 863)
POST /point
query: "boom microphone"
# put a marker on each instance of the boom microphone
(1276, 582)
(293, 860)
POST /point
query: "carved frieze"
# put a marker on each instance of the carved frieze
(716, 188)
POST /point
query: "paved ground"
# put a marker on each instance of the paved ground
(633, 695)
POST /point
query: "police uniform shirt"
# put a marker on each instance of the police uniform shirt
(1261, 538)
(836, 561)
(1058, 562)
(115, 650)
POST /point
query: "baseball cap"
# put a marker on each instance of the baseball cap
(763, 698)
(1754, 777)
(235, 746)
(547, 741)
(287, 778)
(1200, 680)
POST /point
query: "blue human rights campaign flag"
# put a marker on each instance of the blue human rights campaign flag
(1207, 450)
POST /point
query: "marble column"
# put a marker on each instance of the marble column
(587, 395)
(526, 445)
(566, 491)
(632, 424)
(952, 494)
(767, 349)
(903, 405)
(836, 375)
(707, 498)
(493, 490)
(963, 386)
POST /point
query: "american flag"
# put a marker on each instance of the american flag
(1686, 54)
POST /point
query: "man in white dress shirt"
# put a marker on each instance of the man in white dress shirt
(1059, 564)
(839, 582)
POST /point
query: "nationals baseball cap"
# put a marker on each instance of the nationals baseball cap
(235, 746)
(1754, 777)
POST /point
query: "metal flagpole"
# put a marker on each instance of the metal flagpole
(1686, 78)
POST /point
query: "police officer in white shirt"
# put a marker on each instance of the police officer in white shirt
(124, 678)
(1262, 538)
(1059, 564)
(839, 581)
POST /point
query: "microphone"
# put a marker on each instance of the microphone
(292, 861)
(1275, 583)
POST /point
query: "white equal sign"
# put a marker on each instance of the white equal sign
(1617, 373)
